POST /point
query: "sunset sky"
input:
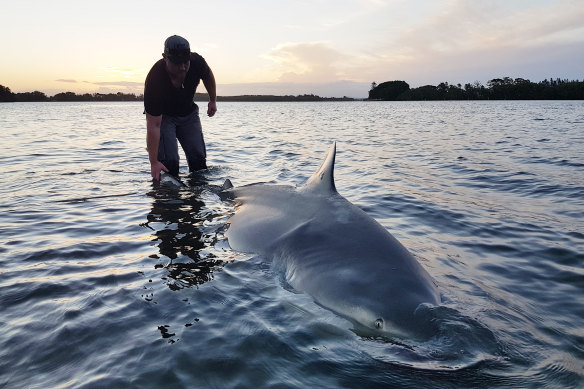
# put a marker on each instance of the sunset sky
(325, 47)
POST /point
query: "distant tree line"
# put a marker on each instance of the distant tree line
(6, 95)
(271, 98)
(497, 89)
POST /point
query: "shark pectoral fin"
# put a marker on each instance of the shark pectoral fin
(225, 193)
(227, 184)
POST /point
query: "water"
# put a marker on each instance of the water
(109, 280)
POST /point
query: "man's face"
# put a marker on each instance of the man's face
(176, 70)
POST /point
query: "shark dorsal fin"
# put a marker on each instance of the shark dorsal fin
(323, 180)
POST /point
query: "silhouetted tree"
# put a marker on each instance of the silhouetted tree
(64, 96)
(504, 88)
(70, 96)
(6, 94)
(30, 96)
(389, 90)
(475, 91)
(426, 92)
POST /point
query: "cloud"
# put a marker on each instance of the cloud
(126, 73)
(565, 61)
(126, 84)
(323, 89)
(465, 40)
(305, 62)
(116, 86)
(466, 25)
(462, 40)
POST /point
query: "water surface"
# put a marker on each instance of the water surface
(109, 280)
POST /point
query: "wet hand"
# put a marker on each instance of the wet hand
(156, 168)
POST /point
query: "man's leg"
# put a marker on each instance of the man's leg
(168, 148)
(189, 133)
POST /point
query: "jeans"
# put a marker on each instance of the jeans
(188, 131)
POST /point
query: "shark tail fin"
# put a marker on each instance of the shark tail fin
(323, 180)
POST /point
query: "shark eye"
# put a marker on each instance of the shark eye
(379, 324)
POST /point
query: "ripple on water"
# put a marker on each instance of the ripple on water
(109, 281)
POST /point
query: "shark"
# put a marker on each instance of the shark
(332, 250)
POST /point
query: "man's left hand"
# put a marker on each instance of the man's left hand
(211, 108)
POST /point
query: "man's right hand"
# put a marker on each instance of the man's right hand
(156, 168)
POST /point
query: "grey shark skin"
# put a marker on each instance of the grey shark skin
(332, 250)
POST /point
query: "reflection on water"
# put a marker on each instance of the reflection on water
(185, 234)
(187, 229)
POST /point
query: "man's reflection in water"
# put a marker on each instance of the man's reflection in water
(177, 219)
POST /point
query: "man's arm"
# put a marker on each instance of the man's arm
(211, 87)
(152, 142)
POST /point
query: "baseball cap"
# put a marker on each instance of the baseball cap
(177, 49)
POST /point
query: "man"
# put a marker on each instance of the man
(171, 113)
